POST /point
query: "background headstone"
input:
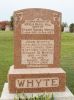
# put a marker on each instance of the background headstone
(66, 29)
(7, 28)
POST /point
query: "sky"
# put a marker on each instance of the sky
(66, 7)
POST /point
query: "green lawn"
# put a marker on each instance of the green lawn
(6, 55)
(67, 56)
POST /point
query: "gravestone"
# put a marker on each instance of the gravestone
(66, 29)
(7, 28)
(37, 38)
(36, 66)
(36, 52)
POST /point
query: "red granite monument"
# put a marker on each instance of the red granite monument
(36, 52)
(37, 38)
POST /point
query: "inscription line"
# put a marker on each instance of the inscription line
(38, 37)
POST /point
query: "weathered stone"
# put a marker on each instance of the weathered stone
(37, 38)
(36, 80)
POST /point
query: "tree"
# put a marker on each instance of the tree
(11, 23)
(72, 27)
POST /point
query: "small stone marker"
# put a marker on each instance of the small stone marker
(66, 29)
(36, 52)
(7, 28)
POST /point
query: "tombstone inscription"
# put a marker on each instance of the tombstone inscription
(37, 38)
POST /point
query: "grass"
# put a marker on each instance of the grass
(43, 96)
(67, 56)
(6, 55)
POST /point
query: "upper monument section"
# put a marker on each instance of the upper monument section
(37, 38)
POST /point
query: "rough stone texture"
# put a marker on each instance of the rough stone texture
(32, 26)
(66, 95)
(51, 79)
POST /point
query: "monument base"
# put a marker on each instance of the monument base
(67, 95)
(35, 80)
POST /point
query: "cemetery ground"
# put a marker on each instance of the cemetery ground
(67, 56)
